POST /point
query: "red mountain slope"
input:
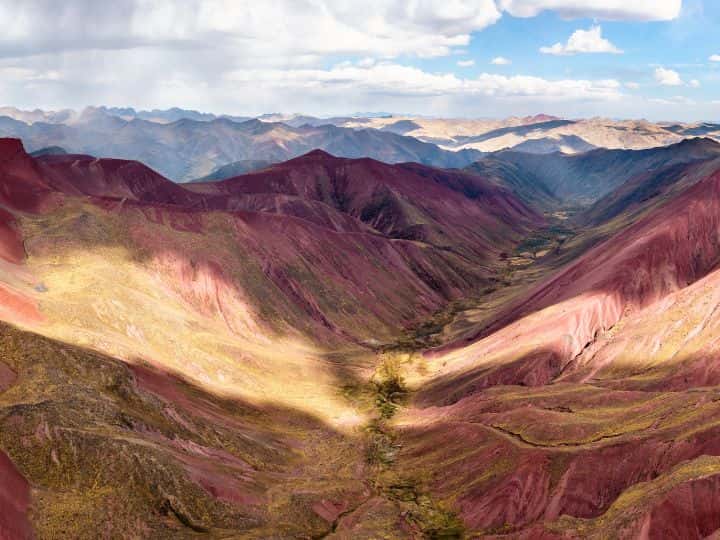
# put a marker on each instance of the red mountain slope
(449, 209)
(113, 178)
(586, 409)
(242, 312)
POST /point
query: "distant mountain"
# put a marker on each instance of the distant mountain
(567, 144)
(49, 151)
(164, 116)
(588, 176)
(38, 115)
(188, 149)
(401, 127)
(236, 168)
(490, 135)
(484, 134)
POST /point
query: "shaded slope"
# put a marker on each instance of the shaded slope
(452, 210)
(589, 176)
(567, 144)
(235, 168)
(528, 187)
(588, 410)
(645, 191)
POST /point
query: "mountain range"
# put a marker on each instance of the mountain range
(186, 145)
(354, 333)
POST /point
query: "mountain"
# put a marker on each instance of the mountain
(591, 175)
(189, 149)
(160, 116)
(236, 168)
(344, 347)
(38, 115)
(49, 151)
(527, 186)
(220, 354)
(540, 133)
(567, 144)
(587, 397)
(452, 210)
(647, 190)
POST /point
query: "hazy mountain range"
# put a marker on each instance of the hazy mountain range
(185, 145)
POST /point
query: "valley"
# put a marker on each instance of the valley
(340, 270)
(342, 348)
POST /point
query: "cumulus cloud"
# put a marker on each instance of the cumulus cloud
(279, 28)
(675, 100)
(500, 61)
(466, 63)
(715, 58)
(668, 77)
(300, 30)
(610, 10)
(21, 74)
(583, 41)
(204, 54)
(694, 83)
(392, 79)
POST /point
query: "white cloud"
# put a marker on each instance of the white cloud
(668, 77)
(694, 83)
(583, 41)
(394, 79)
(466, 63)
(204, 54)
(500, 61)
(277, 29)
(715, 58)
(19, 73)
(632, 85)
(675, 100)
(610, 10)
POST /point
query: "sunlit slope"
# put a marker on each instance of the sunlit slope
(588, 407)
(109, 449)
(191, 366)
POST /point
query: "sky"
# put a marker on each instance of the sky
(654, 59)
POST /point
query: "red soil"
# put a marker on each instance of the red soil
(111, 178)
(673, 247)
(14, 502)
(7, 377)
(18, 307)
(460, 210)
(11, 245)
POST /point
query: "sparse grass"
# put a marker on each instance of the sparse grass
(389, 386)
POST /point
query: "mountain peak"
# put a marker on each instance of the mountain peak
(10, 147)
(318, 153)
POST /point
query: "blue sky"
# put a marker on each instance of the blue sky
(616, 58)
(674, 45)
